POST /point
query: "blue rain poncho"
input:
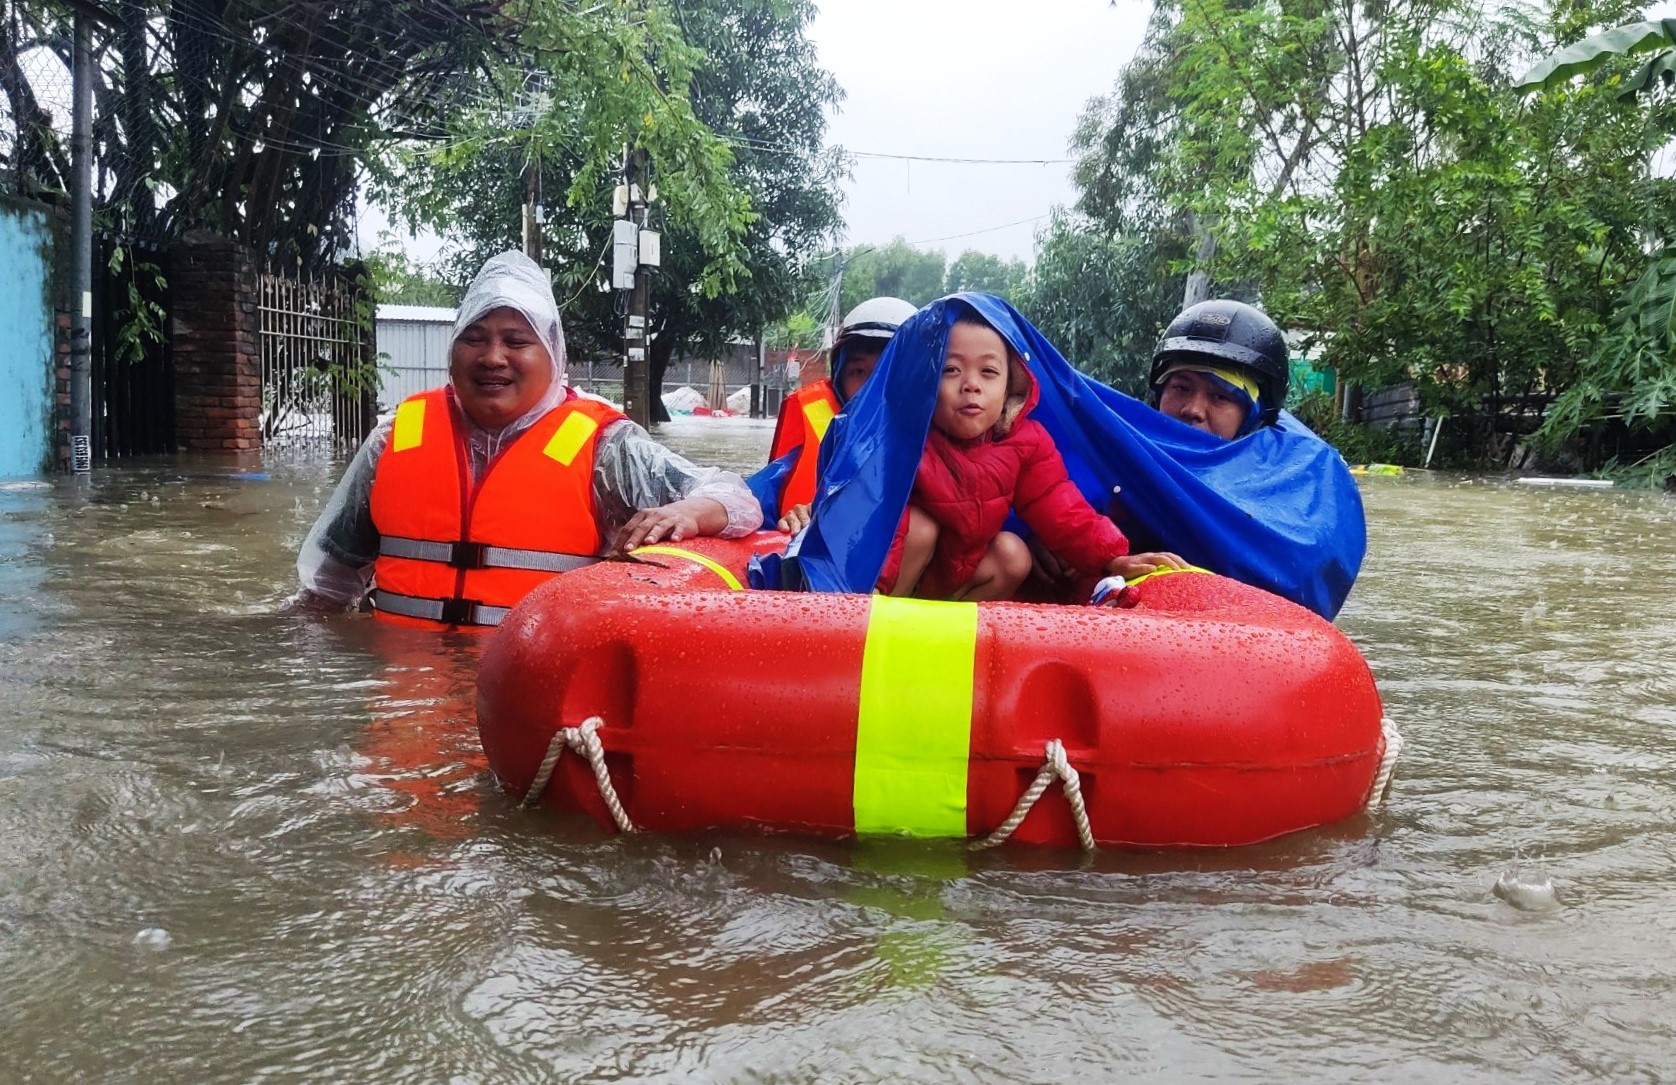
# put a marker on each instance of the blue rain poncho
(1277, 508)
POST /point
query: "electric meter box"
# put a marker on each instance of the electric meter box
(625, 253)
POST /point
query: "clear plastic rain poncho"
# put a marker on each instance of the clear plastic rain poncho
(631, 470)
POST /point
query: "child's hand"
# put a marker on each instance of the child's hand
(1132, 565)
(795, 519)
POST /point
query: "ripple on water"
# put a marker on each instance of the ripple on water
(346, 895)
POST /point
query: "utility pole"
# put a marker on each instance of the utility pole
(533, 211)
(81, 242)
(637, 374)
(759, 388)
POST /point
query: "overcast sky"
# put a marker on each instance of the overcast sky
(966, 79)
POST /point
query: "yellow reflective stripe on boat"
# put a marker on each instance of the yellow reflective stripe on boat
(676, 552)
(1165, 570)
(819, 414)
(913, 735)
(569, 438)
(409, 430)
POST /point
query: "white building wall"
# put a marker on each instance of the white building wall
(413, 341)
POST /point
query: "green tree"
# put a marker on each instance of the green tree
(985, 272)
(1368, 170)
(735, 249)
(1103, 300)
(580, 84)
(1631, 371)
(397, 279)
(896, 269)
(251, 118)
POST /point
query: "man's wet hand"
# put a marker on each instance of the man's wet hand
(671, 523)
(795, 519)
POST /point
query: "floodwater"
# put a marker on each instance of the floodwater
(238, 847)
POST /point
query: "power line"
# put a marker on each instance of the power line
(962, 161)
(985, 230)
(781, 148)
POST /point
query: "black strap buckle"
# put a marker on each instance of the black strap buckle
(466, 555)
(457, 611)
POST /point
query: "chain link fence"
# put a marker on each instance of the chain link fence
(35, 100)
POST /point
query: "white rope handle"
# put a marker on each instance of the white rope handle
(1056, 765)
(1387, 764)
(584, 739)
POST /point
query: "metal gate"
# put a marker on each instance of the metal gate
(133, 380)
(319, 380)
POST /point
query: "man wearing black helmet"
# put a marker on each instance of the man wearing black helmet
(1222, 367)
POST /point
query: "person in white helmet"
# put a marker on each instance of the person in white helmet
(786, 487)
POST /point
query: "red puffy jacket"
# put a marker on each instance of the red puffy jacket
(968, 487)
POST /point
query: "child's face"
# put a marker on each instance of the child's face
(974, 387)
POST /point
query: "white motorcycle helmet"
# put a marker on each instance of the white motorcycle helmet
(874, 321)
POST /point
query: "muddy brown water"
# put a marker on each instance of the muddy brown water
(238, 847)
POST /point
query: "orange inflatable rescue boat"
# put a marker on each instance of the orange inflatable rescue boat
(656, 694)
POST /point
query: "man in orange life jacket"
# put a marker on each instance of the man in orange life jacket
(476, 492)
(786, 486)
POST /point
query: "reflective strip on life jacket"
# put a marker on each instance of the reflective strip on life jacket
(914, 719)
(471, 555)
(409, 428)
(817, 406)
(571, 436)
(450, 611)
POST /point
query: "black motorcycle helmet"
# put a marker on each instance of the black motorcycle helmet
(1220, 332)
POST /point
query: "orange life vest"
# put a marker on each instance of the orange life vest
(454, 553)
(803, 420)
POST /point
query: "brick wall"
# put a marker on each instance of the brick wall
(214, 333)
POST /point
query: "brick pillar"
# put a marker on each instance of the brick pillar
(213, 333)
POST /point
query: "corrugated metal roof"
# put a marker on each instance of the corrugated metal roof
(429, 314)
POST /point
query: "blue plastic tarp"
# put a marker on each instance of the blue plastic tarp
(765, 485)
(1277, 509)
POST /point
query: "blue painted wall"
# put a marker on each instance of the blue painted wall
(26, 320)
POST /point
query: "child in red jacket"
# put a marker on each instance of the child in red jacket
(983, 458)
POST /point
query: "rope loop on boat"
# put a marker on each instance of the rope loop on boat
(1382, 779)
(584, 739)
(1057, 766)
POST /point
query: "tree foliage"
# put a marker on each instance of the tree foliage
(397, 279)
(899, 270)
(1601, 50)
(1630, 374)
(256, 119)
(896, 270)
(250, 117)
(746, 193)
(987, 273)
(1369, 171)
(1104, 299)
